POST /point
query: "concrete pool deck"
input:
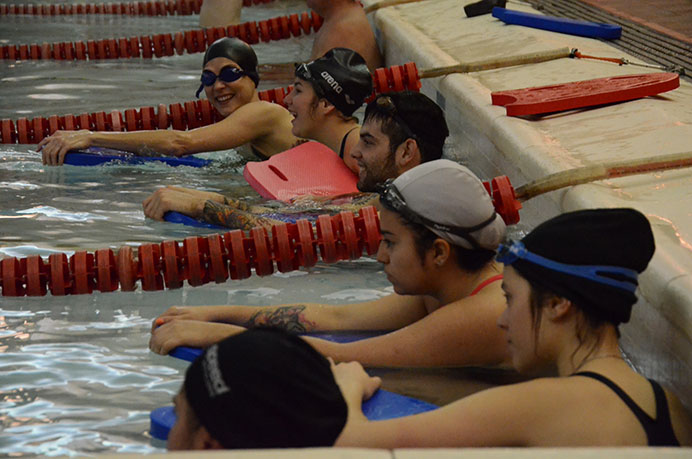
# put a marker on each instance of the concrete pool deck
(437, 33)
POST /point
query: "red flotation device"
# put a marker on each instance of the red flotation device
(310, 168)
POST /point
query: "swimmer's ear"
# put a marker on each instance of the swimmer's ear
(407, 155)
(324, 106)
(441, 251)
(558, 308)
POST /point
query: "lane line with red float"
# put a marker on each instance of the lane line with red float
(167, 44)
(202, 259)
(199, 260)
(148, 8)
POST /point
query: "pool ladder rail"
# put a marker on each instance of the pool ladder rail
(181, 116)
(197, 260)
(148, 8)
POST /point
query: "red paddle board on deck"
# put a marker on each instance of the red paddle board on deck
(587, 93)
(310, 168)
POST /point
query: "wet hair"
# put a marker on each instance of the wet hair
(423, 118)
(469, 260)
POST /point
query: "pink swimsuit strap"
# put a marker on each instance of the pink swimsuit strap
(485, 283)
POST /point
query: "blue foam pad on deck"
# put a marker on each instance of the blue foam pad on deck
(561, 25)
(97, 156)
(382, 405)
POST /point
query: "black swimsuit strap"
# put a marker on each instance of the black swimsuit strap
(343, 143)
(659, 431)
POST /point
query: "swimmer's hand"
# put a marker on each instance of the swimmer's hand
(199, 313)
(54, 148)
(355, 384)
(184, 200)
(170, 335)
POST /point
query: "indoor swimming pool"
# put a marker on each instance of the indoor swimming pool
(77, 374)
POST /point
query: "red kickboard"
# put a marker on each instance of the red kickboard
(310, 168)
(587, 93)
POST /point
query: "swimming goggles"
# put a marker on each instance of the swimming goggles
(303, 72)
(227, 74)
(509, 253)
(391, 197)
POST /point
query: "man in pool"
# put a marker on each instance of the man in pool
(400, 131)
(259, 389)
(345, 25)
(229, 80)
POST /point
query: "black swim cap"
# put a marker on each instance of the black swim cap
(603, 237)
(264, 388)
(236, 50)
(341, 76)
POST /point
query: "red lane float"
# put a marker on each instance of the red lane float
(149, 8)
(197, 260)
(166, 44)
(188, 115)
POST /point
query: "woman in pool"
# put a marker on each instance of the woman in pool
(326, 93)
(439, 233)
(229, 79)
(569, 284)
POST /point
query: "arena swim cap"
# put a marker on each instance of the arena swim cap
(264, 388)
(619, 239)
(449, 200)
(341, 76)
(236, 50)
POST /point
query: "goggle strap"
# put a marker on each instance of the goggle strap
(389, 191)
(591, 272)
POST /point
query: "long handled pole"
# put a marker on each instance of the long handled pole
(602, 171)
(497, 62)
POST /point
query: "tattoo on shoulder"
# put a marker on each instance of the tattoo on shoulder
(289, 318)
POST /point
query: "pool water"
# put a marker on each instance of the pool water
(77, 374)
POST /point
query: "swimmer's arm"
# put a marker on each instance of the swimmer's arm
(386, 313)
(461, 333)
(515, 415)
(243, 217)
(247, 123)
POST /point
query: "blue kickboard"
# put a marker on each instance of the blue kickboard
(561, 25)
(96, 156)
(191, 353)
(177, 217)
(382, 405)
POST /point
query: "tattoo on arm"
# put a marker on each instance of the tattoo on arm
(289, 318)
(236, 218)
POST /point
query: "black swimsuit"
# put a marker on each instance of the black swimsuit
(343, 143)
(659, 431)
